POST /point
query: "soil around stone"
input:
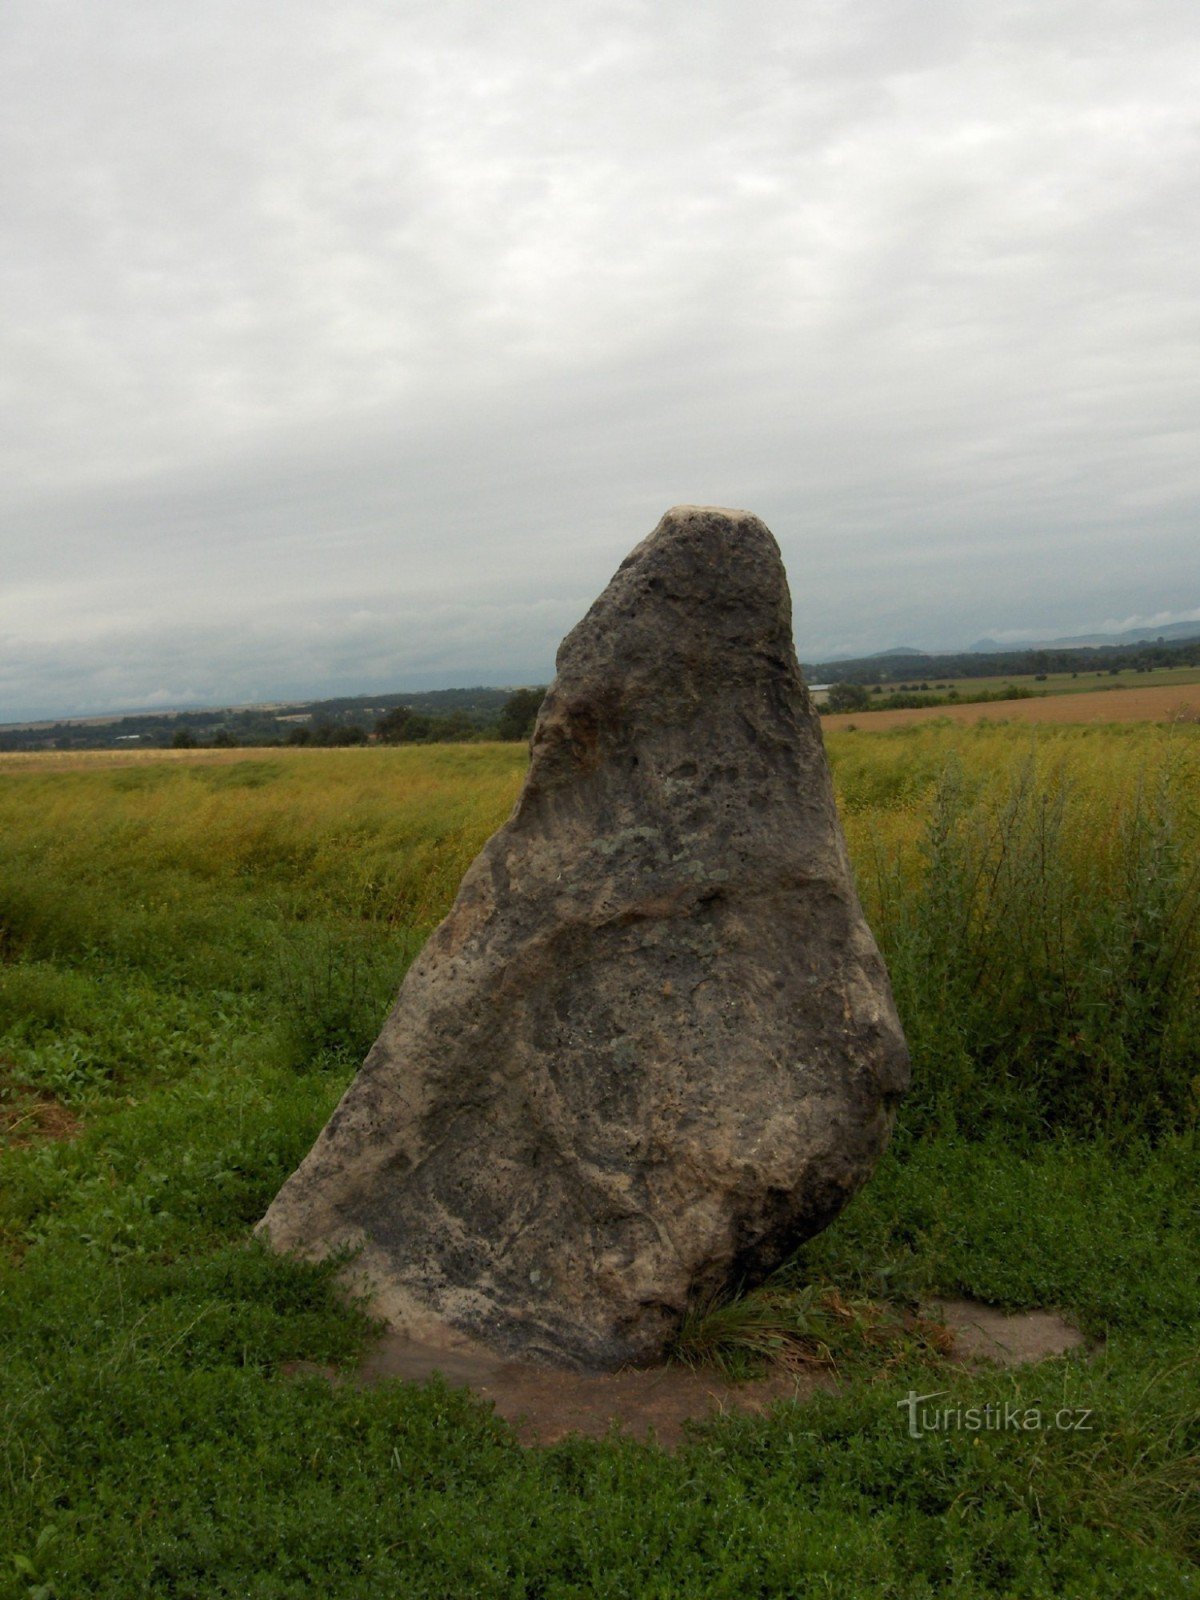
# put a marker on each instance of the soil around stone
(546, 1405)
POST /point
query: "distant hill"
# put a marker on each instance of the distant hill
(1168, 633)
(1171, 631)
(1034, 659)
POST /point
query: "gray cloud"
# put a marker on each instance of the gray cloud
(351, 347)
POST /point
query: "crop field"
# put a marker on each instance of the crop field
(197, 948)
(1175, 702)
(1084, 681)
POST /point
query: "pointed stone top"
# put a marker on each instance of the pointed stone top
(711, 511)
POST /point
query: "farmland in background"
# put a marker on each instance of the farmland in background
(1163, 703)
(1086, 681)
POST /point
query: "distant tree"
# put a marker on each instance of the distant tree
(519, 714)
(419, 729)
(847, 697)
(300, 734)
(392, 727)
(224, 740)
(184, 739)
(403, 725)
(456, 728)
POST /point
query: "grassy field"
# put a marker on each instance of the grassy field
(194, 953)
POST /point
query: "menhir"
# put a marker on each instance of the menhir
(652, 1047)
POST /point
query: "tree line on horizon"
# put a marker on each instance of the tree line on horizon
(460, 715)
(434, 717)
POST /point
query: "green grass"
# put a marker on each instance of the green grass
(194, 955)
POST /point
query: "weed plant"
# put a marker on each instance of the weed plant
(194, 955)
(1044, 954)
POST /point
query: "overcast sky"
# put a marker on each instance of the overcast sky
(351, 347)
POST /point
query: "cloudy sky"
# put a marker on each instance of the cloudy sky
(350, 347)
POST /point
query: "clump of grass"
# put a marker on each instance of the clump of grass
(739, 1333)
(1141, 1478)
(881, 1334)
(813, 1327)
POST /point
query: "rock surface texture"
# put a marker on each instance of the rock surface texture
(652, 1047)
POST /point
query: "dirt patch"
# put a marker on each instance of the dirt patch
(30, 1116)
(545, 1406)
(1166, 703)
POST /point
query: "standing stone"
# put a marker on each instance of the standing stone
(652, 1047)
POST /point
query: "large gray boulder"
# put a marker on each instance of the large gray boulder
(652, 1047)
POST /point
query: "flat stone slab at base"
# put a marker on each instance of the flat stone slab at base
(1008, 1338)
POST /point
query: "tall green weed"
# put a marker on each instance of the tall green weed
(1044, 955)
